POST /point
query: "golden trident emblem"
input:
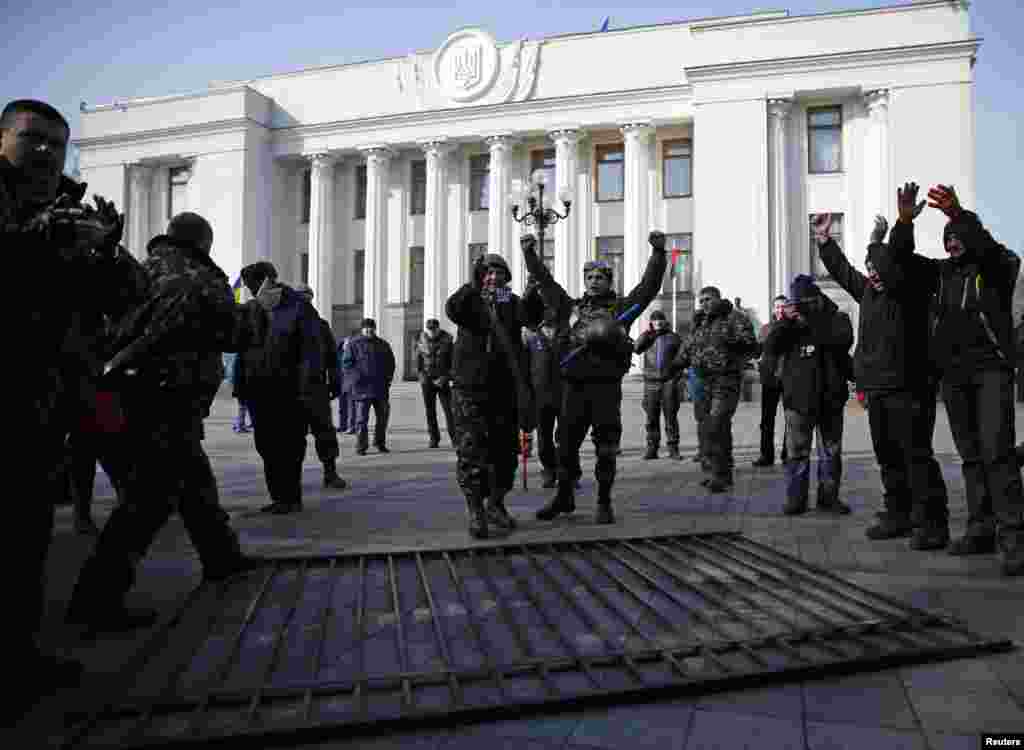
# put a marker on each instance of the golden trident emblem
(467, 66)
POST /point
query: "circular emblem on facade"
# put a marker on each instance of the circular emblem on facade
(466, 65)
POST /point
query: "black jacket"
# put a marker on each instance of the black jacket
(815, 359)
(892, 333)
(434, 356)
(971, 321)
(659, 349)
(543, 355)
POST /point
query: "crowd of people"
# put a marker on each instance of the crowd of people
(124, 367)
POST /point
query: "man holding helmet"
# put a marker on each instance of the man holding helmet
(592, 379)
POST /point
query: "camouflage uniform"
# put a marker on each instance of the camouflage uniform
(719, 350)
(188, 320)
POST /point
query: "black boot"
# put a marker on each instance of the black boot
(604, 503)
(652, 452)
(497, 514)
(563, 502)
(477, 519)
(673, 452)
(332, 481)
(548, 479)
(763, 461)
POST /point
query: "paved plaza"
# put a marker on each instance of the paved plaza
(409, 499)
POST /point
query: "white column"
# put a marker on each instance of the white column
(458, 249)
(567, 262)
(778, 113)
(435, 284)
(499, 212)
(584, 210)
(635, 206)
(396, 276)
(378, 160)
(876, 159)
(321, 234)
(140, 181)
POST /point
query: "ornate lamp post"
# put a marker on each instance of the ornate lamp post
(540, 213)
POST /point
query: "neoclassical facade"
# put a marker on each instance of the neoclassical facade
(379, 182)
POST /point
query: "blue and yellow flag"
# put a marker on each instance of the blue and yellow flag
(237, 289)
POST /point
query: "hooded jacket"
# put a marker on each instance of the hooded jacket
(815, 359)
(971, 320)
(721, 345)
(892, 332)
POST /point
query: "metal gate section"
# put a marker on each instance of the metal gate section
(356, 642)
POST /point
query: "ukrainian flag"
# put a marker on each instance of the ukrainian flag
(237, 289)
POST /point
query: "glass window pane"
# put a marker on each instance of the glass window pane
(304, 268)
(307, 194)
(677, 176)
(610, 181)
(825, 150)
(360, 205)
(359, 275)
(418, 188)
(677, 148)
(416, 274)
(824, 117)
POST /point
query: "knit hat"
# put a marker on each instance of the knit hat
(803, 286)
(658, 315)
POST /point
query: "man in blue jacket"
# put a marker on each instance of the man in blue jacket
(372, 363)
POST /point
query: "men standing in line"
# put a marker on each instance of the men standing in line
(813, 340)
(890, 366)
(659, 345)
(490, 397)
(281, 349)
(172, 344)
(434, 368)
(972, 346)
(771, 392)
(592, 379)
(542, 356)
(372, 363)
(719, 349)
(323, 387)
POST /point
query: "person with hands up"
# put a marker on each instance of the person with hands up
(972, 349)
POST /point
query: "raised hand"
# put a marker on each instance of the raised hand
(657, 240)
(906, 202)
(821, 224)
(479, 271)
(528, 242)
(943, 197)
(880, 230)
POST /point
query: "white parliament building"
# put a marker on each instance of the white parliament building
(378, 182)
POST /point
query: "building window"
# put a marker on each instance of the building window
(303, 268)
(677, 169)
(545, 161)
(358, 275)
(476, 249)
(548, 254)
(360, 207)
(178, 185)
(611, 251)
(479, 182)
(418, 188)
(415, 274)
(307, 194)
(679, 248)
(611, 174)
(836, 233)
(825, 139)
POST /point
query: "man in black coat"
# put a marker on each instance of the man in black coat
(542, 357)
(434, 368)
(659, 345)
(890, 366)
(972, 347)
(771, 392)
(281, 350)
(491, 397)
(371, 361)
(324, 387)
(592, 380)
(813, 339)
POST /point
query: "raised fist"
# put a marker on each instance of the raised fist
(107, 213)
(528, 242)
(906, 201)
(880, 230)
(657, 240)
(821, 225)
(479, 271)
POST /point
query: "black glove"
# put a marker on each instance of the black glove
(479, 271)
(107, 212)
(657, 241)
(528, 243)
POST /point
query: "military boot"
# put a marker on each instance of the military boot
(563, 502)
(890, 526)
(1011, 552)
(604, 503)
(548, 479)
(652, 452)
(332, 481)
(497, 514)
(673, 452)
(477, 519)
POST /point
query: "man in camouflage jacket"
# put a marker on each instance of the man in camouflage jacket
(719, 350)
(169, 362)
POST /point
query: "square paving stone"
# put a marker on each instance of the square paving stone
(782, 701)
(831, 736)
(951, 741)
(876, 699)
(963, 712)
(658, 726)
(719, 730)
(555, 728)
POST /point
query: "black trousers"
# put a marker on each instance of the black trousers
(317, 403)
(721, 397)
(902, 425)
(488, 443)
(661, 399)
(167, 461)
(381, 413)
(431, 394)
(981, 416)
(547, 418)
(771, 395)
(594, 406)
(280, 424)
(84, 451)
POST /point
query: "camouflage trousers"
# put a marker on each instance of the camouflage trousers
(661, 399)
(721, 397)
(487, 434)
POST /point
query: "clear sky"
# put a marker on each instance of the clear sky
(97, 52)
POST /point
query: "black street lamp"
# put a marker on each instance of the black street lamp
(540, 213)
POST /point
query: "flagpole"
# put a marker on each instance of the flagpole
(675, 290)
